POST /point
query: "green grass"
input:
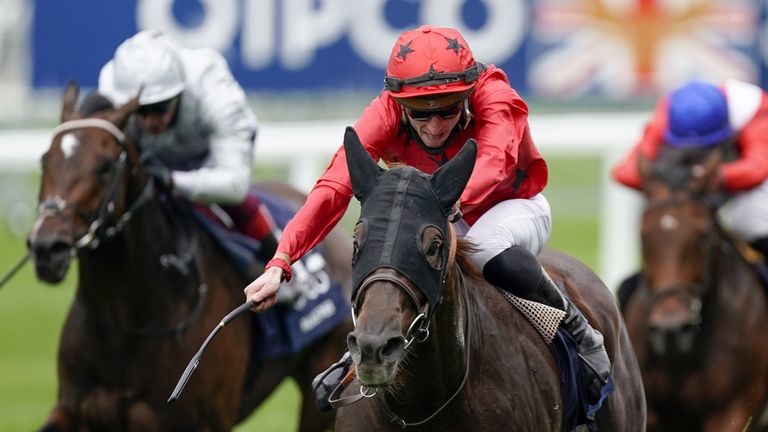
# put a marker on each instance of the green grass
(31, 313)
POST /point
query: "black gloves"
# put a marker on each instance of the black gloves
(162, 176)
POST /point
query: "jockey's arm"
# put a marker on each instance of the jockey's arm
(226, 175)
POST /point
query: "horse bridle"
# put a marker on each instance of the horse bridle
(418, 332)
(98, 227)
(419, 328)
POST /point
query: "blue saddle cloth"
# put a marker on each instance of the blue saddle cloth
(576, 409)
(285, 329)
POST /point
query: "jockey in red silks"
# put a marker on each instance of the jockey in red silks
(733, 115)
(436, 96)
(194, 123)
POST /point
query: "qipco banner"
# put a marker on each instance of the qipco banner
(549, 48)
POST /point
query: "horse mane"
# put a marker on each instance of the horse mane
(93, 103)
(464, 248)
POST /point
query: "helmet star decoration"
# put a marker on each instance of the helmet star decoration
(405, 50)
(453, 44)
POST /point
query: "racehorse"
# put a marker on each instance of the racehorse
(697, 319)
(474, 362)
(150, 288)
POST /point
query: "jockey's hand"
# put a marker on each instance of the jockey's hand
(263, 291)
(162, 176)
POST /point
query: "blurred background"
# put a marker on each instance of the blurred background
(590, 70)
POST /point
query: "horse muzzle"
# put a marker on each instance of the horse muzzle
(672, 341)
(376, 356)
(52, 254)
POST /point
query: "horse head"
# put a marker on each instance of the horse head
(402, 248)
(82, 192)
(679, 236)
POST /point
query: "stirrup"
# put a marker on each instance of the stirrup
(326, 383)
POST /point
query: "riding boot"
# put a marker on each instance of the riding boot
(327, 381)
(589, 341)
(761, 245)
(517, 271)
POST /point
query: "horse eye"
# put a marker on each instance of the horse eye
(104, 169)
(358, 237)
(432, 246)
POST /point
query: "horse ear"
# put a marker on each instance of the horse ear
(68, 104)
(363, 170)
(121, 114)
(449, 180)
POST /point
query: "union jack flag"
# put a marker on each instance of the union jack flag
(629, 48)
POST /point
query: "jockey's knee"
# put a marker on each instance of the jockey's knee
(515, 270)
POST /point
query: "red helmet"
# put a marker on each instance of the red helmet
(431, 64)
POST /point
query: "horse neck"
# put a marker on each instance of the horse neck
(126, 270)
(732, 278)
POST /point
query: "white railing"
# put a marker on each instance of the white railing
(305, 148)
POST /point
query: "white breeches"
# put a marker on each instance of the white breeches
(515, 222)
(746, 213)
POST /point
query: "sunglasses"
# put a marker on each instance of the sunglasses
(444, 113)
(161, 107)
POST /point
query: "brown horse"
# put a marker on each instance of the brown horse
(698, 317)
(135, 320)
(474, 363)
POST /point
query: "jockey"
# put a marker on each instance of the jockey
(195, 123)
(436, 97)
(732, 115)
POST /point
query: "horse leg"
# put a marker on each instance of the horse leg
(59, 420)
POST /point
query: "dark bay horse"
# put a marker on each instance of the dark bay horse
(135, 320)
(698, 319)
(475, 363)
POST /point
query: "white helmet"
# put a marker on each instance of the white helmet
(150, 60)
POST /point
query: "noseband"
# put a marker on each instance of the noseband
(418, 330)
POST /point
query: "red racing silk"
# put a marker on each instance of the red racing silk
(508, 163)
(748, 115)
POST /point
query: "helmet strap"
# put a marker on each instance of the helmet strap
(466, 115)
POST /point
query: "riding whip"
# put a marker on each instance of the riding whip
(245, 307)
(14, 269)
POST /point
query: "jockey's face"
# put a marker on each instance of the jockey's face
(157, 117)
(435, 129)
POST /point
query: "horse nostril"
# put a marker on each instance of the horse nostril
(354, 349)
(60, 247)
(393, 347)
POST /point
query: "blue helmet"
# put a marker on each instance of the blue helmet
(698, 116)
